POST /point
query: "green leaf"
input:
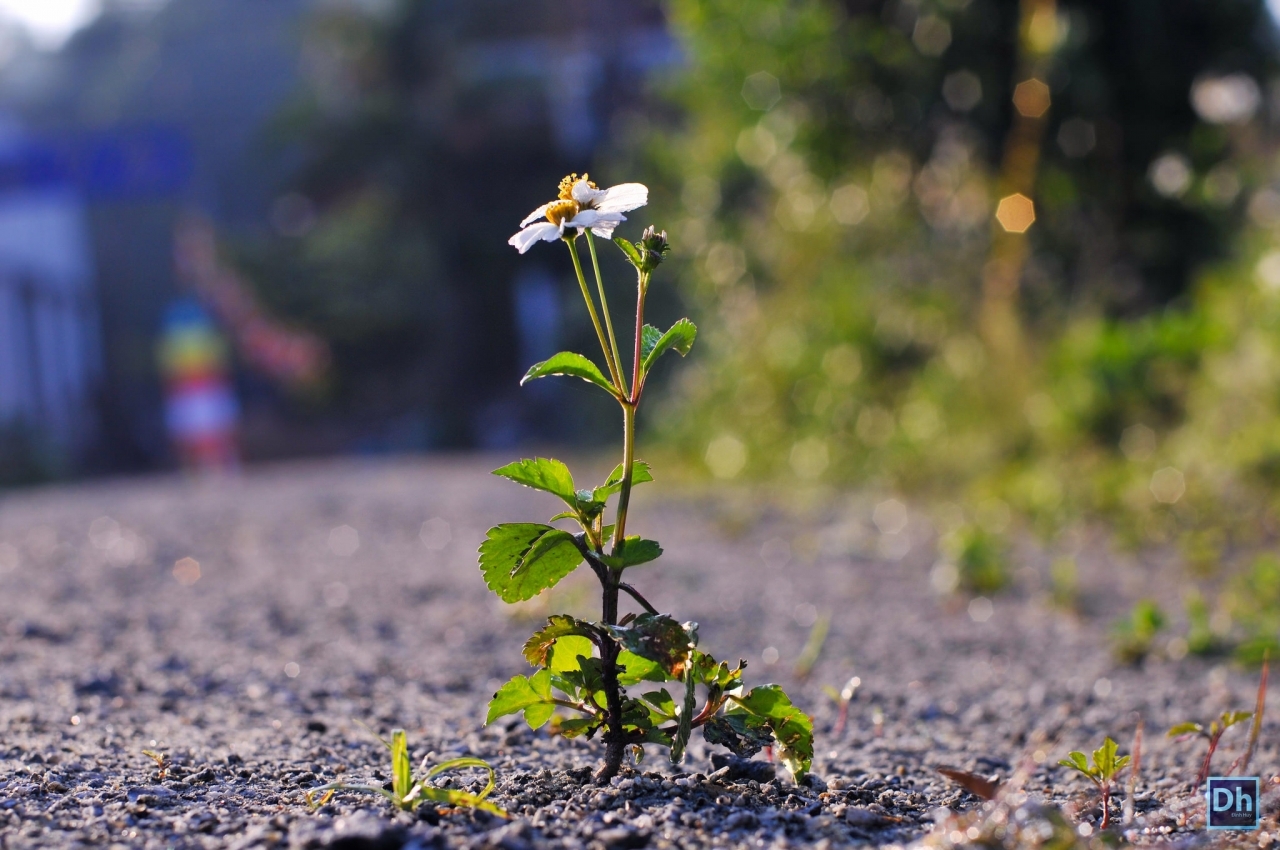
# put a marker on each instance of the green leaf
(649, 336)
(684, 726)
(640, 473)
(542, 473)
(1186, 729)
(539, 645)
(519, 560)
(633, 254)
(538, 715)
(791, 727)
(662, 701)
(679, 336)
(637, 669)
(1104, 759)
(575, 726)
(574, 366)
(1077, 761)
(566, 655)
(518, 694)
(1231, 718)
(658, 638)
(401, 769)
(633, 551)
(743, 734)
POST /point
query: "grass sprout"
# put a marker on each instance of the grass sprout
(408, 791)
(161, 760)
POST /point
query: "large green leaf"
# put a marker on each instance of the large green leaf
(573, 365)
(791, 727)
(640, 473)
(519, 560)
(537, 647)
(567, 654)
(637, 669)
(633, 552)
(542, 473)
(519, 693)
(679, 337)
(660, 639)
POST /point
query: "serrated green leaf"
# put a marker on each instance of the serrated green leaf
(1077, 761)
(636, 669)
(632, 552)
(519, 560)
(572, 365)
(791, 727)
(678, 337)
(649, 336)
(566, 654)
(514, 696)
(662, 701)
(1185, 729)
(633, 254)
(539, 644)
(542, 473)
(538, 715)
(659, 638)
(640, 473)
(684, 725)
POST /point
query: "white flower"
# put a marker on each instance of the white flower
(582, 205)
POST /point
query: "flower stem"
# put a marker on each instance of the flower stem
(609, 360)
(604, 308)
(629, 422)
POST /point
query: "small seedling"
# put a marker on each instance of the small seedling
(407, 792)
(162, 763)
(843, 697)
(1102, 772)
(1212, 734)
(585, 666)
(1136, 634)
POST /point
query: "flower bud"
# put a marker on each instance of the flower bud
(653, 247)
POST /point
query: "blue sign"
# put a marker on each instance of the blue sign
(121, 164)
(1232, 802)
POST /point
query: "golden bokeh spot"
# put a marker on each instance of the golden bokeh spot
(187, 571)
(1031, 97)
(562, 211)
(1016, 213)
(566, 185)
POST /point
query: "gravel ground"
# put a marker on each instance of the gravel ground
(244, 629)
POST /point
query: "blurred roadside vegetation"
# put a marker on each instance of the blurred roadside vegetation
(833, 186)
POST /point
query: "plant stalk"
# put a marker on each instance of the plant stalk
(629, 423)
(614, 737)
(614, 371)
(608, 320)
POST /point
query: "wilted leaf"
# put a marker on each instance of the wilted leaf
(744, 734)
(537, 647)
(659, 638)
(975, 784)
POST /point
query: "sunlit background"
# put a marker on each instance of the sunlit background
(1015, 262)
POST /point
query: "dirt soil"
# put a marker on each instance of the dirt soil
(244, 629)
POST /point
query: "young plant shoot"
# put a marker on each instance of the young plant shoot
(585, 667)
(1211, 735)
(1101, 773)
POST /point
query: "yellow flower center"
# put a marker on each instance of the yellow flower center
(562, 211)
(566, 185)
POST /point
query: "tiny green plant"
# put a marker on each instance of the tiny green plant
(1101, 772)
(585, 667)
(408, 791)
(1135, 635)
(1212, 734)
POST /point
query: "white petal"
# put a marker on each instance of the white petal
(535, 215)
(594, 218)
(623, 197)
(585, 195)
(525, 239)
(604, 229)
